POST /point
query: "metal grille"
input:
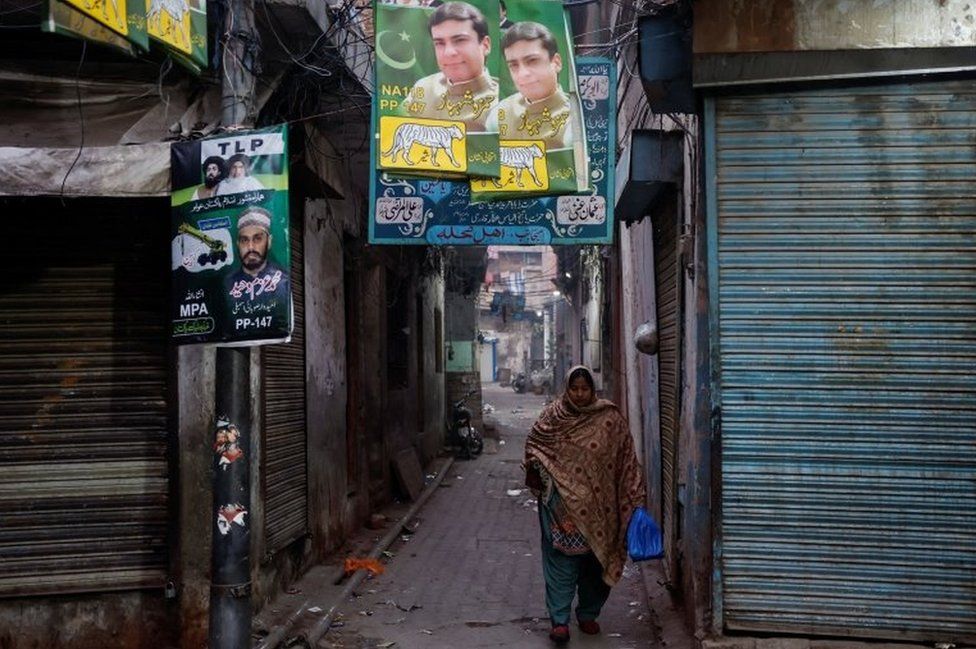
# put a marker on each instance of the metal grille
(847, 338)
(83, 415)
(285, 471)
(668, 300)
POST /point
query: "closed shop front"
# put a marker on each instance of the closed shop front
(84, 433)
(668, 292)
(285, 464)
(843, 288)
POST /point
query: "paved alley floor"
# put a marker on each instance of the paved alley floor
(471, 575)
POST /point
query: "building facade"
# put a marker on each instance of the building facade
(106, 427)
(812, 296)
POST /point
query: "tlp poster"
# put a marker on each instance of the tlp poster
(230, 250)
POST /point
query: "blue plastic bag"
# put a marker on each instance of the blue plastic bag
(644, 540)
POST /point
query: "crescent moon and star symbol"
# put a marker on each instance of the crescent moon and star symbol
(389, 60)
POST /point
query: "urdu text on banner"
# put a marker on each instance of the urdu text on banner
(441, 212)
(179, 27)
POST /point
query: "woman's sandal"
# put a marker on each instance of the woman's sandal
(559, 634)
(589, 627)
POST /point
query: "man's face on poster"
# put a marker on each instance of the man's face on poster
(211, 174)
(460, 53)
(238, 169)
(253, 243)
(535, 74)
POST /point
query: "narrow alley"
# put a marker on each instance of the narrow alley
(471, 574)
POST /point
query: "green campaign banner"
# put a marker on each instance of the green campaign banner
(437, 66)
(124, 17)
(66, 20)
(180, 26)
(230, 250)
(437, 212)
(127, 18)
(539, 115)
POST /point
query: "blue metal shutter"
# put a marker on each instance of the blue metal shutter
(846, 250)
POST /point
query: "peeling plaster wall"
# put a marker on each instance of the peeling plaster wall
(325, 360)
(514, 338)
(732, 26)
(593, 344)
(325, 385)
(109, 621)
(460, 363)
(400, 315)
(431, 438)
(373, 339)
(196, 371)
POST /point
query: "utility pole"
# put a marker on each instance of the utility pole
(230, 556)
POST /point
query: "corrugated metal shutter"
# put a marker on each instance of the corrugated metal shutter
(83, 414)
(668, 301)
(847, 308)
(285, 471)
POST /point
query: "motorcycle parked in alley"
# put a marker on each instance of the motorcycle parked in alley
(520, 383)
(462, 434)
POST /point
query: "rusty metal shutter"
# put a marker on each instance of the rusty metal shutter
(668, 302)
(285, 470)
(83, 384)
(844, 235)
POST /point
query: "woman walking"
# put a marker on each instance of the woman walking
(580, 462)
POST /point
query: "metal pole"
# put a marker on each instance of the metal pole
(230, 590)
(239, 61)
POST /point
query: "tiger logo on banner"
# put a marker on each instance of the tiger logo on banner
(422, 144)
(169, 22)
(523, 168)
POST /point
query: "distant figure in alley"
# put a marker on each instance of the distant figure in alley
(580, 463)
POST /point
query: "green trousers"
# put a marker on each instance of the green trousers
(567, 576)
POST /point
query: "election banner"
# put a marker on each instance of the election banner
(126, 18)
(440, 212)
(538, 116)
(230, 250)
(180, 26)
(67, 21)
(437, 66)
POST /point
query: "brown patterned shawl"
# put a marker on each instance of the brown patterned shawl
(590, 455)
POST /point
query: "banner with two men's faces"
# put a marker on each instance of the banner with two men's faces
(483, 91)
(230, 251)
